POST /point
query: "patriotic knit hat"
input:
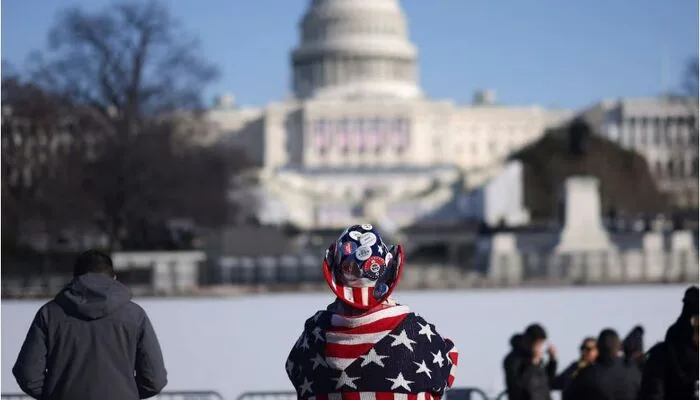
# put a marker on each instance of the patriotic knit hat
(360, 268)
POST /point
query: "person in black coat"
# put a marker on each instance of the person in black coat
(671, 368)
(589, 353)
(633, 348)
(527, 375)
(91, 341)
(608, 378)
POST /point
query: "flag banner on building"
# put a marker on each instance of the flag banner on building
(371, 135)
(342, 135)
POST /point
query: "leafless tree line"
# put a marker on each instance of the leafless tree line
(99, 131)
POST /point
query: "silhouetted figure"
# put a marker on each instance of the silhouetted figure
(588, 355)
(579, 132)
(671, 368)
(633, 347)
(608, 378)
(527, 376)
(91, 342)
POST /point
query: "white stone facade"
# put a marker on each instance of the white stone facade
(359, 141)
(663, 130)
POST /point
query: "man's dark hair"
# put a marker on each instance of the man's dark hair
(93, 261)
(608, 343)
(535, 332)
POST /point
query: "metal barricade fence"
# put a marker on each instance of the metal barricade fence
(468, 393)
(452, 394)
(175, 395)
(288, 395)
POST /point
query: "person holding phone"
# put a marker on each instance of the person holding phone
(528, 376)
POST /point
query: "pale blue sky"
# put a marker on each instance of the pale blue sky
(561, 53)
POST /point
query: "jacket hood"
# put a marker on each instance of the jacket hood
(93, 296)
(521, 345)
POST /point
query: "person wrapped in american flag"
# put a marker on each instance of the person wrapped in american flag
(365, 345)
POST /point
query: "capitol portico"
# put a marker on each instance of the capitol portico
(359, 140)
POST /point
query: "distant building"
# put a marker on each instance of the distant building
(665, 131)
(359, 141)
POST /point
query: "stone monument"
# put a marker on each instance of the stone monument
(583, 226)
(585, 251)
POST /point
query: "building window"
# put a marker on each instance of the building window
(656, 134)
(399, 133)
(681, 168)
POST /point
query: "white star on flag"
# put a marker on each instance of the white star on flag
(379, 249)
(401, 338)
(305, 343)
(290, 367)
(399, 381)
(317, 316)
(298, 342)
(345, 380)
(318, 334)
(422, 368)
(318, 360)
(306, 386)
(372, 357)
(437, 358)
(426, 330)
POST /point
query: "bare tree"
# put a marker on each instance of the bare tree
(131, 67)
(41, 160)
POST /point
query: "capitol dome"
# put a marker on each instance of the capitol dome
(354, 49)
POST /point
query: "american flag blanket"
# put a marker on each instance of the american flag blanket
(386, 353)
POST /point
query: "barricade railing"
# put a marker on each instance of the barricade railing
(282, 395)
(170, 395)
(464, 393)
(469, 393)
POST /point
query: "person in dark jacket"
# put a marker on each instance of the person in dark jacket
(589, 353)
(91, 341)
(671, 368)
(633, 348)
(527, 376)
(608, 378)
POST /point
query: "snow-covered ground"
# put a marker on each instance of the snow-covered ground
(233, 345)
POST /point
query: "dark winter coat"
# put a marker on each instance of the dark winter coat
(525, 380)
(564, 379)
(91, 342)
(606, 379)
(671, 368)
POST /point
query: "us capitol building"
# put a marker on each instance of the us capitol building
(359, 141)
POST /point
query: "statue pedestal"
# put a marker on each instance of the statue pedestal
(583, 227)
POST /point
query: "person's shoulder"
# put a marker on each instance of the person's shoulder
(319, 318)
(132, 312)
(656, 353)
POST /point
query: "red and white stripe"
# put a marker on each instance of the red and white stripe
(361, 296)
(453, 355)
(374, 396)
(351, 337)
